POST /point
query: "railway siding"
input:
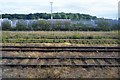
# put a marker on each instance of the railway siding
(108, 61)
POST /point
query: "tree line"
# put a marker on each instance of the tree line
(44, 25)
(62, 15)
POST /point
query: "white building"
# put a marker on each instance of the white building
(1, 22)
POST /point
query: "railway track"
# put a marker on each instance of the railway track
(60, 49)
(83, 59)
(109, 61)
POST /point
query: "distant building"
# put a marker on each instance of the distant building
(85, 22)
(1, 22)
(58, 20)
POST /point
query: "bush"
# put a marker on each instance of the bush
(77, 36)
(6, 25)
(21, 25)
(103, 25)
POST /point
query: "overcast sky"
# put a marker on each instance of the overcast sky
(99, 8)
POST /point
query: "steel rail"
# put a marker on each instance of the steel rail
(68, 47)
(7, 57)
(62, 65)
(61, 50)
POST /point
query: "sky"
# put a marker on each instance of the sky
(99, 8)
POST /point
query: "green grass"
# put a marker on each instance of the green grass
(76, 37)
(76, 41)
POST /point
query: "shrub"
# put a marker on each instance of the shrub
(6, 25)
